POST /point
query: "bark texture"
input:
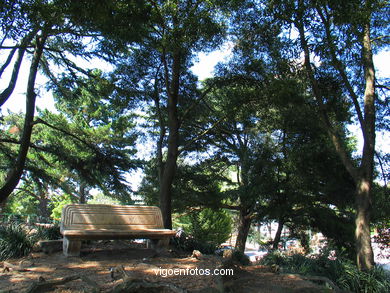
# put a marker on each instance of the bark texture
(243, 229)
(16, 172)
(278, 235)
(170, 166)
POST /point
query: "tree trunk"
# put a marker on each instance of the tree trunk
(16, 172)
(278, 235)
(43, 203)
(2, 207)
(170, 166)
(82, 193)
(364, 252)
(243, 229)
(363, 175)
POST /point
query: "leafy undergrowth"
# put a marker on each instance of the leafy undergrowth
(15, 241)
(18, 240)
(341, 271)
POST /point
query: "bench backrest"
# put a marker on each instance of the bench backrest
(100, 216)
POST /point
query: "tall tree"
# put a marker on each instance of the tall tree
(86, 145)
(336, 40)
(39, 32)
(58, 32)
(158, 70)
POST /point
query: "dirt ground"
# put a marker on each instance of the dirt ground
(101, 263)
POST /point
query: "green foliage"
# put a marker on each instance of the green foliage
(373, 281)
(274, 257)
(100, 198)
(15, 241)
(20, 203)
(48, 233)
(58, 203)
(256, 236)
(342, 271)
(189, 244)
(207, 225)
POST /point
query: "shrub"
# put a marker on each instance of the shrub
(241, 258)
(189, 244)
(15, 241)
(340, 270)
(274, 258)
(48, 233)
(207, 225)
(373, 281)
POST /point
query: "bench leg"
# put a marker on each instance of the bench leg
(71, 247)
(163, 243)
(158, 243)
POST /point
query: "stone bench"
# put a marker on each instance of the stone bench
(107, 222)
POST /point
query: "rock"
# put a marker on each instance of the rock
(26, 264)
(118, 272)
(197, 254)
(275, 268)
(228, 254)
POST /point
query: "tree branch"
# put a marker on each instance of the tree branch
(201, 134)
(91, 146)
(12, 83)
(13, 177)
(341, 70)
(8, 61)
(336, 139)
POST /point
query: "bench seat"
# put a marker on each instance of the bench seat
(105, 222)
(118, 234)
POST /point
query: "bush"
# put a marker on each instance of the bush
(341, 271)
(189, 244)
(274, 258)
(241, 258)
(207, 225)
(15, 241)
(48, 233)
(373, 281)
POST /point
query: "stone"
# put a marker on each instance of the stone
(228, 254)
(197, 254)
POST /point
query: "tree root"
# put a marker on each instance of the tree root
(44, 285)
(323, 280)
(140, 286)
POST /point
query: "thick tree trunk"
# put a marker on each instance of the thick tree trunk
(16, 172)
(243, 229)
(364, 252)
(170, 166)
(278, 235)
